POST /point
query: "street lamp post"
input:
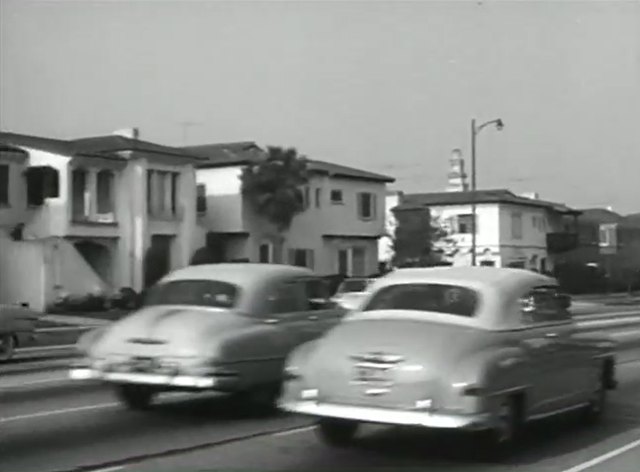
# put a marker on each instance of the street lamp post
(474, 132)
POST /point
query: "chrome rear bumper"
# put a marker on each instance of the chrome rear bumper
(177, 381)
(387, 416)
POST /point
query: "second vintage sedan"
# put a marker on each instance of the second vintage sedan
(221, 327)
(476, 349)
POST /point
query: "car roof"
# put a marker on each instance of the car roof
(238, 273)
(477, 276)
(499, 289)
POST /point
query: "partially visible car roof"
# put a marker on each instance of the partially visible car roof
(239, 273)
(469, 276)
(499, 290)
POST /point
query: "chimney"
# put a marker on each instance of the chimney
(131, 133)
(457, 178)
(531, 195)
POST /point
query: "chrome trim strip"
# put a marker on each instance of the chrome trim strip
(560, 411)
(189, 381)
(388, 416)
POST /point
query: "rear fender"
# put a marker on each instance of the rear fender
(490, 372)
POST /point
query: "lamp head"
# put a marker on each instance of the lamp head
(499, 124)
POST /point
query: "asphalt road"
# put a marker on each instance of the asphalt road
(85, 429)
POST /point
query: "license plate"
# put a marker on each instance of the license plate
(365, 374)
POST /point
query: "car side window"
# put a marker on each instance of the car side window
(316, 293)
(286, 297)
(543, 305)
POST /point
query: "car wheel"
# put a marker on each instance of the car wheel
(594, 410)
(7, 347)
(135, 397)
(503, 437)
(337, 433)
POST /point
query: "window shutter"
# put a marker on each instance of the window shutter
(310, 259)
(292, 256)
(374, 205)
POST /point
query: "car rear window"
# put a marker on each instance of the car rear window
(209, 293)
(355, 285)
(440, 298)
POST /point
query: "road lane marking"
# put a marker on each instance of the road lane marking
(45, 348)
(63, 411)
(604, 457)
(290, 432)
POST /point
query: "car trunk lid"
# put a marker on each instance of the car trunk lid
(389, 362)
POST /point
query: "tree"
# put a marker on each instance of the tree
(272, 185)
(419, 239)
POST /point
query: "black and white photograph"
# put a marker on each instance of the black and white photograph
(302, 235)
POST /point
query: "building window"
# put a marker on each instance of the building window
(42, 182)
(301, 257)
(465, 224)
(607, 235)
(306, 198)
(516, 225)
(79, 194)
(266, 253)
(4, 185)
(318, 197)
(366, 206)
(162, 193)
(105, 192)
(201, 198)
(336, 197)
(175, 176)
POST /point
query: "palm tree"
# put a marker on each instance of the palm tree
(273, 185)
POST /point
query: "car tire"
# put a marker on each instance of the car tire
(337, 433)
(502, 440)
(135, 397)
(594, 411)
(7, 347)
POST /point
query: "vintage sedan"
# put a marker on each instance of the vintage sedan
(221, 327)
(17, 327)
(478, 349)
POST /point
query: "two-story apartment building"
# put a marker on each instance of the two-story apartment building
(511, 230)
(91, 215)
(337, 233)
(609, 244)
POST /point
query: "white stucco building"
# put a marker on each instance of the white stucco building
(338, 232)
(511, 230)
(88, 212)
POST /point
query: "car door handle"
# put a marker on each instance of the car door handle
(551, 335)
(272, 321)
(313, 317)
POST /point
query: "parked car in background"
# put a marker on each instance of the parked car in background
(220, 327)
(17, 327)
(351, 291)
(475, 349)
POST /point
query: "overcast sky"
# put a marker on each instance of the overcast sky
(387, 86)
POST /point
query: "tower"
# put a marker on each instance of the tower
(457, 178)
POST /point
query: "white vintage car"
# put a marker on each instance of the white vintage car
(477, 349)
(221, 327)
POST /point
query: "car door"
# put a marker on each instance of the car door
(549, 338)
(322, 312)
(287, 311)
